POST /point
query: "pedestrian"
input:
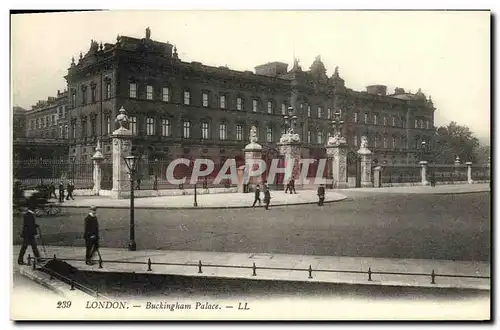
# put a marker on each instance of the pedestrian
(138, 187)
(28, 234)
(61, 192)
(321, 194)
(292, 187)
(52, 190)
(257, 196)
(267, 197)
(287, 187)
(70, 188)
(155, 183)
(433, 179)
(91, 235)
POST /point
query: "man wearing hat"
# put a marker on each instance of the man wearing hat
(91, 235)
(28, 233)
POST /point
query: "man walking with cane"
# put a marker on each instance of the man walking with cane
(91, 235)
(28, 234)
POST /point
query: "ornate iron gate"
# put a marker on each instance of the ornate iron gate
(354, 167)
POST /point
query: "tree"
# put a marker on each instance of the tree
(454, 140)
(482, 154)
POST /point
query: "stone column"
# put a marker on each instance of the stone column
(291, 151)
(366, 163)
(253, 155)
(469, 172)
(97, 158)
(423, 172)
(377, 182)
(336, 151)
(122, 147)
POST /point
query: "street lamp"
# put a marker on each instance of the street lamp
(131, 162)
(422, 148)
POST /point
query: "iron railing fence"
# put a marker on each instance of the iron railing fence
(480, 172)
(32, 173)
(401, 174)
(200, 265)
(447, 173)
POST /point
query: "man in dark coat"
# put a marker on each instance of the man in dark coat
(61, 192)
(257, 196)
(321, 195)
(52, 190)
(267, 196)
(91, 235)
(70, 188)
(292, 187)
(28, 234)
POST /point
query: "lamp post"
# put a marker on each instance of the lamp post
(422, 150)
(131, 162)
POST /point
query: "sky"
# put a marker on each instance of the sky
(445, 53)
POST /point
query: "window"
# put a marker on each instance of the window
(132, 124)
(254, 105)
(393, 142)
(393, 121)
(269, 134)
(283, 109)
(308, 136)
(385, 142)
(416, 123)
(49, 120)
(187, 97)
(84, 129)
(54, 119)
(73, 99)
(93, 94)
(165, 127)
(403, 142)
(186, 129)
(165, 95)
(355, 140)
(403, 122)
(204, 130)
(61, 132)
(427, 124)
(269, 107)
(204, 99)
(84, 95)
(93, 126)
(239, 132)
(132, 90)
(108, 124)
(32, 124)
(329, 113)
(375, 119)
(150, 126)
(366, 118)
(385, 120)
(355, 117)
(149, 92)
(43, 121)
(223, 131)
(319, 112)
(239, 103)
(108, 90)
(222, 101)
(421, 123)
(73, 130)
(66, 133)
(309, 111)
(320, 137)
(377, 141)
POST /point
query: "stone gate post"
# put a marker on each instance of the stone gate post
(469, 172)
(97, 158)
(366, 163)
(253, 155)
(122, 146)
(423, 172)
(336, 150)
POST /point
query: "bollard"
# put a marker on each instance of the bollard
(254, 270)
(369, 274)
(310, 272)
(433, 275)
(100, 262)
(29, 260)
(149, 264)
(199, 267)
(72, 285)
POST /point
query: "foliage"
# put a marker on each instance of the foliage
(454, 140)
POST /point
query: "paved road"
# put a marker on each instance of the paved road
(452, 227)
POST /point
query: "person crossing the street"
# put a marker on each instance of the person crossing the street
(257, 196)
(29, 233)
(321, 194)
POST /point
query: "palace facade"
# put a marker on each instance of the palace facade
(191, 110)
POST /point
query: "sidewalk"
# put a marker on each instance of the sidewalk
(189, 260)
(278, 198)
(211, 201)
